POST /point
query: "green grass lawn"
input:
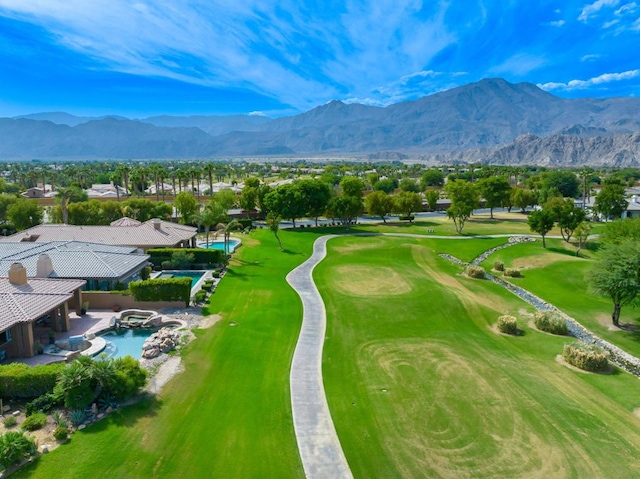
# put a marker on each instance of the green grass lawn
(228, 414)
(420, 386)
(557, 276)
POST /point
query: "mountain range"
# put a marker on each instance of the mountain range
(490, 121)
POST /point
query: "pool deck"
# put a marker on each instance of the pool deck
(92, 322)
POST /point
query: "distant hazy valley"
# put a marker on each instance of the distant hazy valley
(491, 121)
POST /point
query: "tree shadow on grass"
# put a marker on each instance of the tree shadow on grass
(127, 416)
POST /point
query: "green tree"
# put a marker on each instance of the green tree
(569, 217)
(495, 190)
(616, 275)
(212, 214)
(352, 186)
(86, 213)
(388, 185)
(464, 198)
(248, 199)
(68, 195)
(406, 203)
(522, 198)
(409, 184)
(611, 202)
(582, 235)
(621, 229)
(565, 181)
(541, 222)
(316, 195)
(378, 203)
(432, 197)
(226, 197)
(287, 202)
(24, 214)
(273, 222)
(186, 206)
(345, 208)
(431, 178)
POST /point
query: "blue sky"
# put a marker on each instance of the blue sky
(279, 58)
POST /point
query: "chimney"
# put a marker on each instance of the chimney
(17, 274)
(44, 266)
(156, 223)
(634, 199)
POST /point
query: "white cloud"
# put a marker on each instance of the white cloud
(591, 9)
(285, 50)
(584, 84)
(519, 64)
(557, 23)
(257, 113)
(590, 57)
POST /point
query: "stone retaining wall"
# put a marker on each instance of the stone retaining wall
(617, 356)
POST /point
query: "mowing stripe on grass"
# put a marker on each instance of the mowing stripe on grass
(320, 450)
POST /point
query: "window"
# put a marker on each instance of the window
(5, 337)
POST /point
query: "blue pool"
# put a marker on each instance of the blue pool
(219, 244)
(126, 342)
(194, 275)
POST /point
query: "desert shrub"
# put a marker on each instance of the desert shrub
(10, 421)
(550, 322)
(512, 273)
(60, 433)
(130, 377)
(498, 266)
(35, 421)
(44, 403)
(15, 445)
(476, 272)
(59, 419)
(17, 380)
(507, 324)
(77, 417)
(586, 356)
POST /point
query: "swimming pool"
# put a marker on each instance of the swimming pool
(194, 275)
(126, 342)
(219, 244)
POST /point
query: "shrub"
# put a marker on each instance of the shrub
(207, 287)
(145, 272)
(173, 289)
(200, 255)
(15, 445)
(200, 296)
(498, 266)
(44, 403)
(35, 421)
(167, 264)
(60, 433)
(586, 356)
(406, 218)
(19, 381)
(130, 377)
(182, 259)
(512, 273)
(550, 322)
(10, 421)
(59, 419)
(508, 324)
(476, 272)
(215, 273)
(77, 417)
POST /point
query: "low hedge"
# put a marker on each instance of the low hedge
(19, 381)
(550, 322)
(200, 255)
(586, 356)
(172, 289)
(508, 324)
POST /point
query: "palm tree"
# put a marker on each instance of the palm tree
(209, 169)
(64, 195)
(212, 214)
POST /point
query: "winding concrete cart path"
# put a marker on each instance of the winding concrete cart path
(320, 450)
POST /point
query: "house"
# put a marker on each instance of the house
(154, 233)
(106, 191)
(102, 266)
(24, 301)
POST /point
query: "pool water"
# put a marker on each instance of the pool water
(232, 245)
(194, 275)
(126, 342)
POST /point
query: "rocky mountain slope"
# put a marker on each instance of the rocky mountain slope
(490, 120)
